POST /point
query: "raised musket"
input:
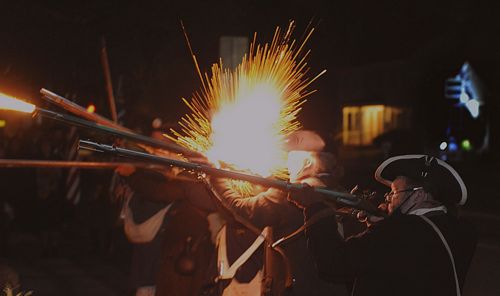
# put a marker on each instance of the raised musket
(339, 197)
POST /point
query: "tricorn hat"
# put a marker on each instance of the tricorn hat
(428, 170)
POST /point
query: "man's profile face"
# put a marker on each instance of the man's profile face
(397, 194)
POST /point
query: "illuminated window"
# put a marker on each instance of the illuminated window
(361, 124)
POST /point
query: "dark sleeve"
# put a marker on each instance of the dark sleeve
(197, 194)
(336, 260)
(154, 186)
(262, 209)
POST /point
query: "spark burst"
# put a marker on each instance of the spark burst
(240, 118)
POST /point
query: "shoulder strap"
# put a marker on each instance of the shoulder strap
(445, 243)
(226, 271)
(143, 232)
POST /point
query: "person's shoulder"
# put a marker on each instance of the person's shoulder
(467, 227)
(402, 218)
(456, 222)
(399, 221)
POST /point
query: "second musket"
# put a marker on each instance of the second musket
(340, 197)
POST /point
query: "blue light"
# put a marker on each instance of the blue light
(452, 146)
(464, 97)
(466, 88)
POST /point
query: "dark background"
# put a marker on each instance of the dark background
(391, 52)
(388, 51)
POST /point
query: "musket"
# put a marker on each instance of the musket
(94, 165)
(76, 121)
(339, 197)
(13, 104)
(79, 110)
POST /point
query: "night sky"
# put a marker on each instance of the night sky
(397, 52)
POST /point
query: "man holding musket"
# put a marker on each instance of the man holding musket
(422, 248)
(243, 265)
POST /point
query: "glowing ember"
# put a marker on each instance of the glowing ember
(9, 103)
(240, 118)
(91, 108)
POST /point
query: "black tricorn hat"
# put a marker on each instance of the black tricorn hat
(428, 170)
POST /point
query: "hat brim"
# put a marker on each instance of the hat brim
(424, 168)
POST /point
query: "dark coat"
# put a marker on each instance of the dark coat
(184, 234)
(145, 261)
(401, 255)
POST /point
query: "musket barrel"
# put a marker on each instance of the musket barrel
(104, 122)
(76, 121)
(79, 110)
(341, 197)
(28, 163)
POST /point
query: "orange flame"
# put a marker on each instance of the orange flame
(13, 104)
(240, 118)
